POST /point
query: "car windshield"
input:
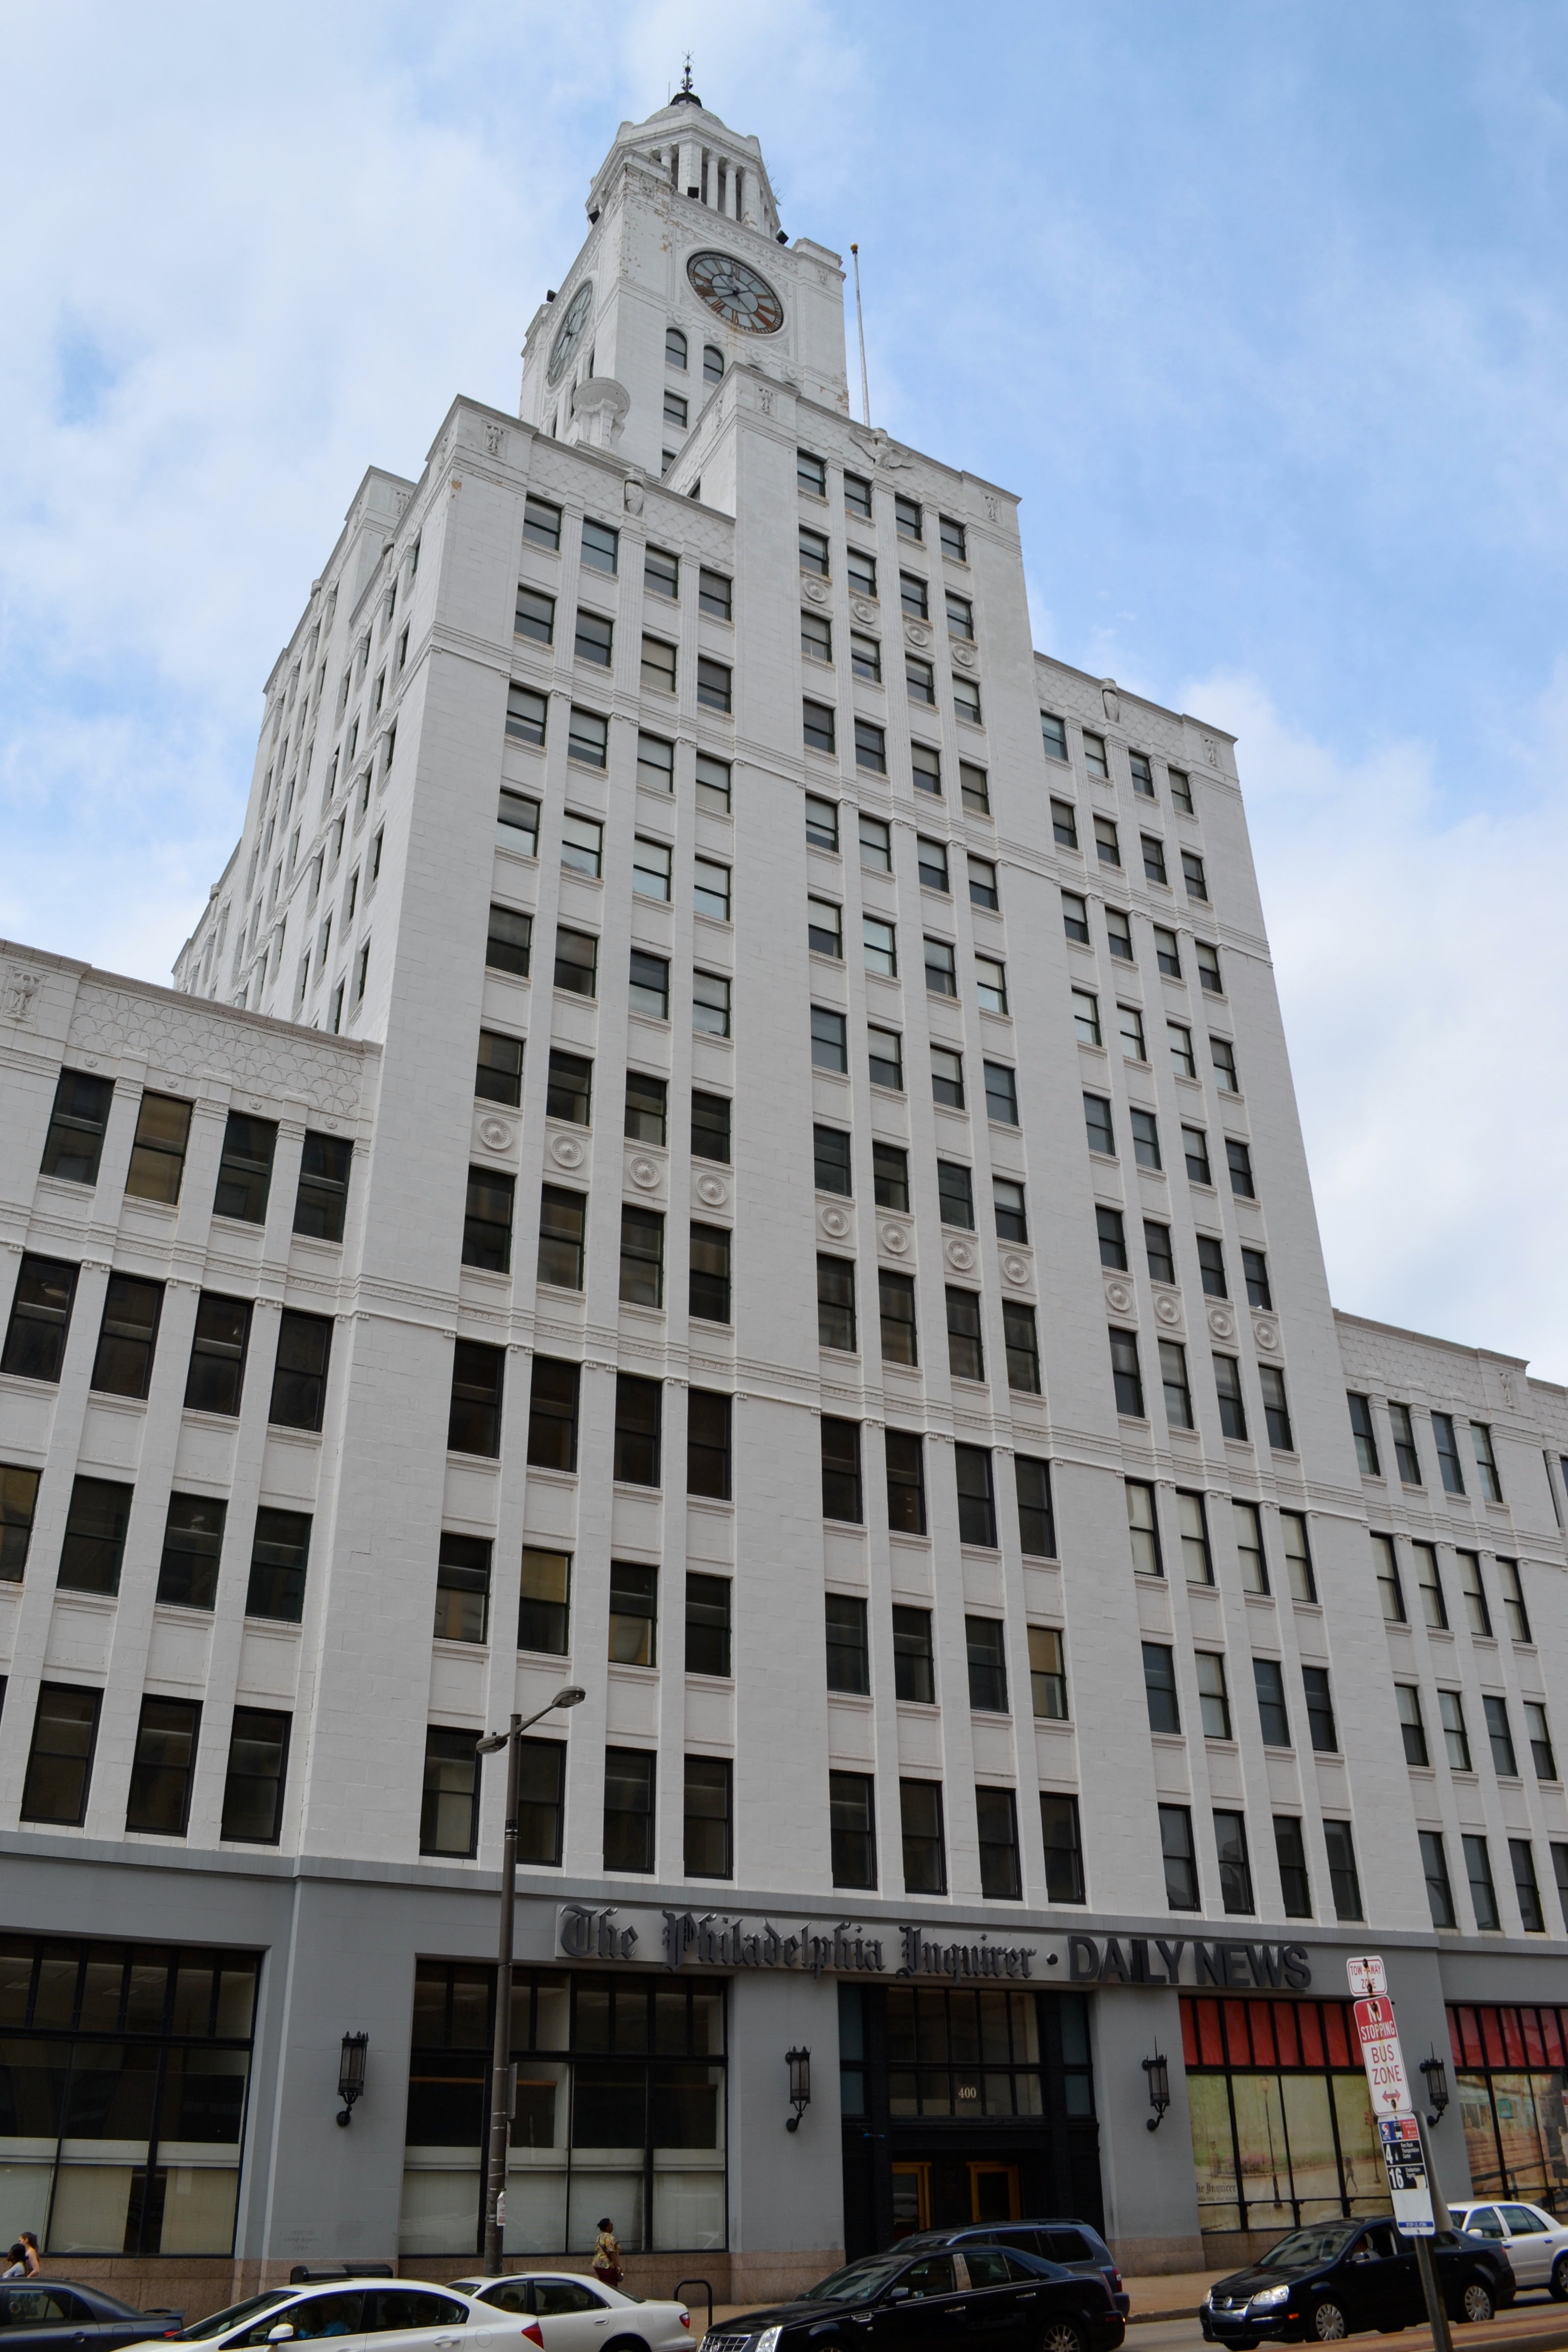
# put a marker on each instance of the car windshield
(1320, 2244)
(860, 2283)
(218, 2323)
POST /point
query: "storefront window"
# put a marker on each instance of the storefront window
(620, 2110)
(1283, 2131)
(1511, 2065)
(952, 2051)
(123, 2071)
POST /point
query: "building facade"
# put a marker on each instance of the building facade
(725, 1137)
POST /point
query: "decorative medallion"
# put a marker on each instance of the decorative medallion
(960, 1255)
(1220, 1324)
(895, 1238)
(1267, 1335)
(965, 656)
(834, 1223)
(496, 1134)
(863, 608)
(737, 293)
(566, 1151)
(1166, 1308)
(1119, 1297)
(712, 1190)
(917, 633)
(569, 333)
(815, 592)
(1015, 1268)
(642, 1170)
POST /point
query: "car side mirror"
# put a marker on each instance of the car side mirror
(898, 2295)
(283, 2333)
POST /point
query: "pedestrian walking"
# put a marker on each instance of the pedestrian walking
(607, 2255)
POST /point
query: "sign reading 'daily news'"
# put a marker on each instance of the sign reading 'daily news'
(1399, 2134)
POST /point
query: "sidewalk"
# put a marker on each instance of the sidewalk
(1172, 2294)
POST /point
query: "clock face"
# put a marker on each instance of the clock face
(569, 334)
(742, 298)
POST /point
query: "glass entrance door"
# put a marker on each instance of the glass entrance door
(912, 2198)
(994, 2192)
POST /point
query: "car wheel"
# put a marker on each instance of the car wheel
(626, 2344)
(1558, 2283)
(1476, 2302)
(1061, 2335)
(1329, 2323)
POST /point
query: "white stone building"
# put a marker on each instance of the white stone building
(725, 1135)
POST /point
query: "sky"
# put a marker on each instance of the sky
(1258, 304)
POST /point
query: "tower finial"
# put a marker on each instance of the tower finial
(685, 78)
(686, 95)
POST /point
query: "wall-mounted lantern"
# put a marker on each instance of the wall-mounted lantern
(350, 2073)
(1436, 2075)
(1159, 2074)
(799, 2064)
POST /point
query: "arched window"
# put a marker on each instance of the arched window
(674, 348)
(712, 364)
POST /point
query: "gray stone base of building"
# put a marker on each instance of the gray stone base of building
(1158, 2257)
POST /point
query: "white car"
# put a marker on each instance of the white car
(570, 2311)
(390, 2315)
(1535, 2243)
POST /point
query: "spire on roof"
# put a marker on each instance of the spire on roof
(686, 95)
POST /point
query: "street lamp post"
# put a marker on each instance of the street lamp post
(500, 2051)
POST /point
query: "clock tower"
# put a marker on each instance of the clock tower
(685, 271)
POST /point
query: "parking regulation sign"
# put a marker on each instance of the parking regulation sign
(1383, 2058)
(1367, 1974)
(1406, 2166)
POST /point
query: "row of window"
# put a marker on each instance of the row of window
(1110, 1225)
(73, 1149)
(1095, 760)
(1476, 1852)
(819, 727)
(92, 1549)
(1118, 940)
(1130, 1028)
(509, 948)
(65, 1737)
(1195, 1544)
(1432, 1598)
(1456, 1736)
(1407, 1458)
(1107, 847)
(1179, 1852)
(1144, 1126)
(1127, 1377)
(594, 642)
(908, 517)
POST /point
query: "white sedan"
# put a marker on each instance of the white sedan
(575, 2313)
(1534, 2242)
(392, 2314)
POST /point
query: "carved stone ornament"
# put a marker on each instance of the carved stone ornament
(1211, 750)
(1220, 1324)
(894, 1238)
(1119, 1297)
(21, 988)
(566, 1151)
(1267, 1335)
(1015, 1268)
(496, 1134)
(644, 1171)
(815, 592)
(993, 511)
(632, 495)
(863, 608)
(712, 1190)
(1166, 1308)
(495, 440)
(766, 398)
(965, 656)
(835, 1222)
(960, 1255)
(881, 451)
(917, 633)
(1111, 700)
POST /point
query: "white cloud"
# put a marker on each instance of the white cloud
(1422, 961)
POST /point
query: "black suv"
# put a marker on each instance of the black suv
(1334, 2278)
(1073, 2244)
(1010, 2301)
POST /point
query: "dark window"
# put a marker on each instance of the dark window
(817, 723)
(1228, 1387)
(1486, 1462)
(1276, 1411)
(857, 496)
(896, 1302)
(544, 1604)
(914, 1667)
(73, 1144)
(122, 1365)
(462, 1588)
(245, 1171)
(60, 1762)
(919, 1821)
(279, 1551)
(1157, 1249)
(849, 1646)
(1106, 842)
(1366, 1436)
(634, 1614)
(576, 961)
(193, 1541)
(540, 1799)
(535, 616)
(649, 986)
(628, 1809)
(711, 1128)
(1036, 1520)
(639, 1404)
(594, 638)
(712, 364)
(1440, 1890)
(517, 823)
(158, 1153)
(1234, 1868)
(965, 1351)
(1054, 735)
(906, 1483)
(487, 1220)
(647, 1097)
(715, 685)
(162, 1765)
(707, 1442)
(707, 1624)
(1192, 874)
(1166, 953)
(1010, 1209)
(497, 1074)
(1180, 1860)
(714, 597)
(1320, 1709)
(997, 1816)
(1527, 1892)
(1153, 859)
(569, 1087)
(1254, 1268)
(852, 1820)
(1125, 1373)
(708, 1839)
(1412, 1724)
(870, 746)
(835, 1303)
(563, 1224)
(813, 552)
(841, 1469)
(1274, 1721)
(1211, 1264)
(552, 1412)
(1001, 1095)
(1144, 1529)
(473, 1420)
(1291, 1855)
(642, 1256)
(955, 1195)
(975, 791)
(1406, 1460)
(1175, 1382)
(984, 1647)
(1195, 1151)
(300, 1372)
(94, 1542)
(891, 1175)
(1160, 1687)
(1443, 1437)
(811, 474)
(322, 1199)
(253, 1787)
(541, 523)
(1064, 831)
(1097, 1121)
(527, 713)
(18, 1502)
(509, 940)
(1021, 1342)
(216, 1371)
(1064, 1849)
(601, 544)
(1483, 1894)
(1513, 1600)
(1239, 1160)
(907, 520)
(1500, 1735)
(831, 1161)
(449, 1803)
(1109, 1227)
(1344, 1877)
(977, 1498)
(708, 1279)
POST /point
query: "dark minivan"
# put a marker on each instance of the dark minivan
(1335, 2278)
(1073, 2244)
(1005, 2300)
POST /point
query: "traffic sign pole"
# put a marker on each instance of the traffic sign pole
(1406, 2157)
